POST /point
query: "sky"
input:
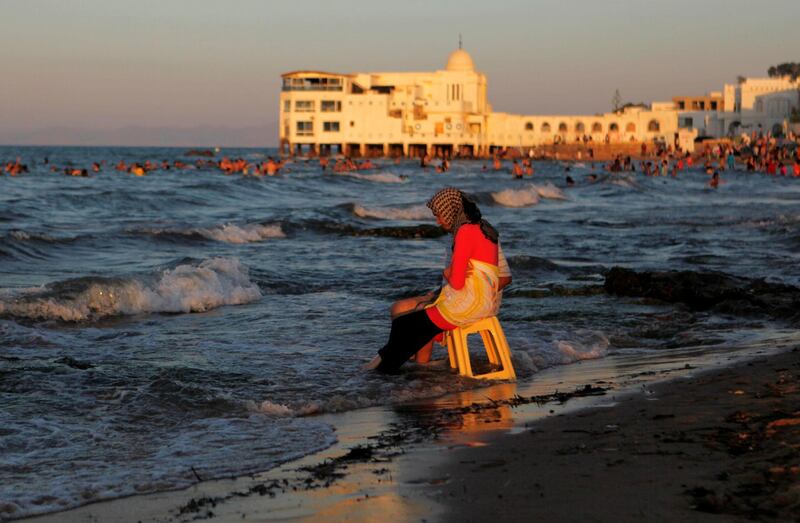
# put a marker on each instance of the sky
(127, 68)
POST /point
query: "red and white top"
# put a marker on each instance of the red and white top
(472, 290)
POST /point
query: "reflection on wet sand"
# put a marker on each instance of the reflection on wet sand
(457, 423)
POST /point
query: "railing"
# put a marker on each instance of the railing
(312, 88)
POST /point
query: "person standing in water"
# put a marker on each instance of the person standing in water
(474, 279)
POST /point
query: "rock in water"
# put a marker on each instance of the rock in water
(702, 291)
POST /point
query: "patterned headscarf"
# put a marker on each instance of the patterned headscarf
(448, 204)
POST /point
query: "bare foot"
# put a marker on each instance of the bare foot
(373, 364)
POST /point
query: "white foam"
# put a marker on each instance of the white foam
(380, 177)
(282, 410)
(779, 220)
(549, 191)
(525, 197)
(230, 233)
(416, 213)
(26, 236)
(275, 409)
(186, 288)
(577, 350)
(622, 180)
(20, 235)
(566, 348)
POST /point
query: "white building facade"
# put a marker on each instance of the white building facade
(754, 104)
(440, 112)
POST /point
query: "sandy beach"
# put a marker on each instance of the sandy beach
(721, 445)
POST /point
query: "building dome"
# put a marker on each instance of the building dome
(460, 60)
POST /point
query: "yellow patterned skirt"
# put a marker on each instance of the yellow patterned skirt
(477, 299)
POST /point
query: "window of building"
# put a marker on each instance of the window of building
(528, 126)
(579, 127)
(304, 106)
(330, 106)
(545, 127)
(597, 128)
(681, 105)
(630, 128)
(688, 123)
(562, 127)
(352, 123)
(454, 92)
(613, 128)
(287, 106)
(654, 126)
(713, 106)
(330, 127)
(305, 128)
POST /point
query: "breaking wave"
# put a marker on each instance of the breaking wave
(516, 197)
(528, 195)
(415, 213)
(24, 236)
(380, 177)
(566, 348)
(549, 191)
(186, 288)
(622, 180)
(228, 233)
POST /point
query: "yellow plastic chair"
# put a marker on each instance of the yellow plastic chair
(494, 341)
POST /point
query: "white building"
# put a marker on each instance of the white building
(446, 111)
(755, 104)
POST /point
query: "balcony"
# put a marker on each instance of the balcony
(312, 88)
(312, 84)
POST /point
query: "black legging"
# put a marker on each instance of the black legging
(409, 334)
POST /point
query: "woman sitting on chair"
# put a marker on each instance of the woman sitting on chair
(474, 280)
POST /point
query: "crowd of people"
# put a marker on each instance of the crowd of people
(764, 154)
(346, 164)
(15, 168)
(756, 153)
(268, 167)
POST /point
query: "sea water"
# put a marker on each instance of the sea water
(189, 324)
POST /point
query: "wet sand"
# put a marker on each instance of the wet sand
(722, 445)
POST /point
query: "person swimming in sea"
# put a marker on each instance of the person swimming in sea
(714, 182)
